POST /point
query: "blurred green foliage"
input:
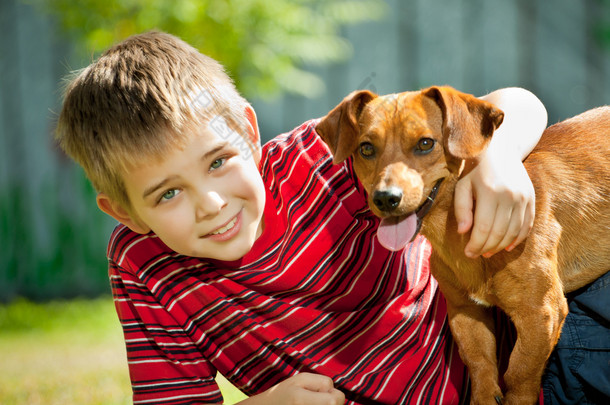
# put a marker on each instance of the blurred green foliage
(23, 316)
(64, 258)
(265, 45)
(601, 29)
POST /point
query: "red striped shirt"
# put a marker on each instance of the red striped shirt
(316, 293)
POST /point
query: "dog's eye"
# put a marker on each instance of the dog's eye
(424, 145)
(367, 150)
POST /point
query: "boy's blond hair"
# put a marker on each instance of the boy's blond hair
(138, 100)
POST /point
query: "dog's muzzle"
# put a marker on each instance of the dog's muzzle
(387, 200)
(425, 207)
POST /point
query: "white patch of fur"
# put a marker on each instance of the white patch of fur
(480, 301)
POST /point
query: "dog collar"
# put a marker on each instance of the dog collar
(425, 207)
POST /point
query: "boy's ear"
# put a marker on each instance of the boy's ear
(253, 133)
(119, 213)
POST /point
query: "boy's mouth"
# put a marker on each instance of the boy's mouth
(227, 230)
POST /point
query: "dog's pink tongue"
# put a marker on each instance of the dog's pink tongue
(394, 234)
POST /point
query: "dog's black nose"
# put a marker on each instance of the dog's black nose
(387, 200)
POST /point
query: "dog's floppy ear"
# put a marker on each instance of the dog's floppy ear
(340, 129)
(468, 122)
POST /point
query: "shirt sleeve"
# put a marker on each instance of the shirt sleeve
(165, 366)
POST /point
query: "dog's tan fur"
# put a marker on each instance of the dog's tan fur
(566, 249)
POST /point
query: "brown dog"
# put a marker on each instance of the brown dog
(408, 150)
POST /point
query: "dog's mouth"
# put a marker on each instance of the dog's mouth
(395, 232)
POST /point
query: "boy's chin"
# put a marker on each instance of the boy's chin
(227, 252)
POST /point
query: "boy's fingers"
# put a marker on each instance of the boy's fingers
(335, 397)
(506, 229)
(528, 223)
(484, 216)
(314, 382)
(338, 396)
(463, 205)
(319, 389)
(512, 233)
(498, 232)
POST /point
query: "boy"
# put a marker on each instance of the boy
(264, 264)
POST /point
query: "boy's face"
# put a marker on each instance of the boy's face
(205, 200)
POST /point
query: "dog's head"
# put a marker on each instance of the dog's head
(403, 145)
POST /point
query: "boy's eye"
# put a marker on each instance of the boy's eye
(217, 163)
(169, 194)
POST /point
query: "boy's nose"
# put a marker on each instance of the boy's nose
(208, 203)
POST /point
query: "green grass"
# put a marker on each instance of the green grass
(67, 352)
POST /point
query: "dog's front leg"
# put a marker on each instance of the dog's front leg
(538, 319)
(472, 327)
(473, 330)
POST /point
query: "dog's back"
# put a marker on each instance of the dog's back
(572, 163)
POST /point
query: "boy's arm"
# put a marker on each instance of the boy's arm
(156, 375)
(154, 357)
(504, 195)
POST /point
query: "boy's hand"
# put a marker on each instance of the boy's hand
(504, 209)
(301, 389)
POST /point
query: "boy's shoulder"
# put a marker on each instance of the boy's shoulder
(302, 138)
(297, 168)
(127, 248)
(302, 150)
(291, 158)
(145, 257)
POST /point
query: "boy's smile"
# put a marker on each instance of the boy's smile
(204, 200)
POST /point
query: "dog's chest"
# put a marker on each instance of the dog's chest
(482, 298)
(471, 278)
(449, 265)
